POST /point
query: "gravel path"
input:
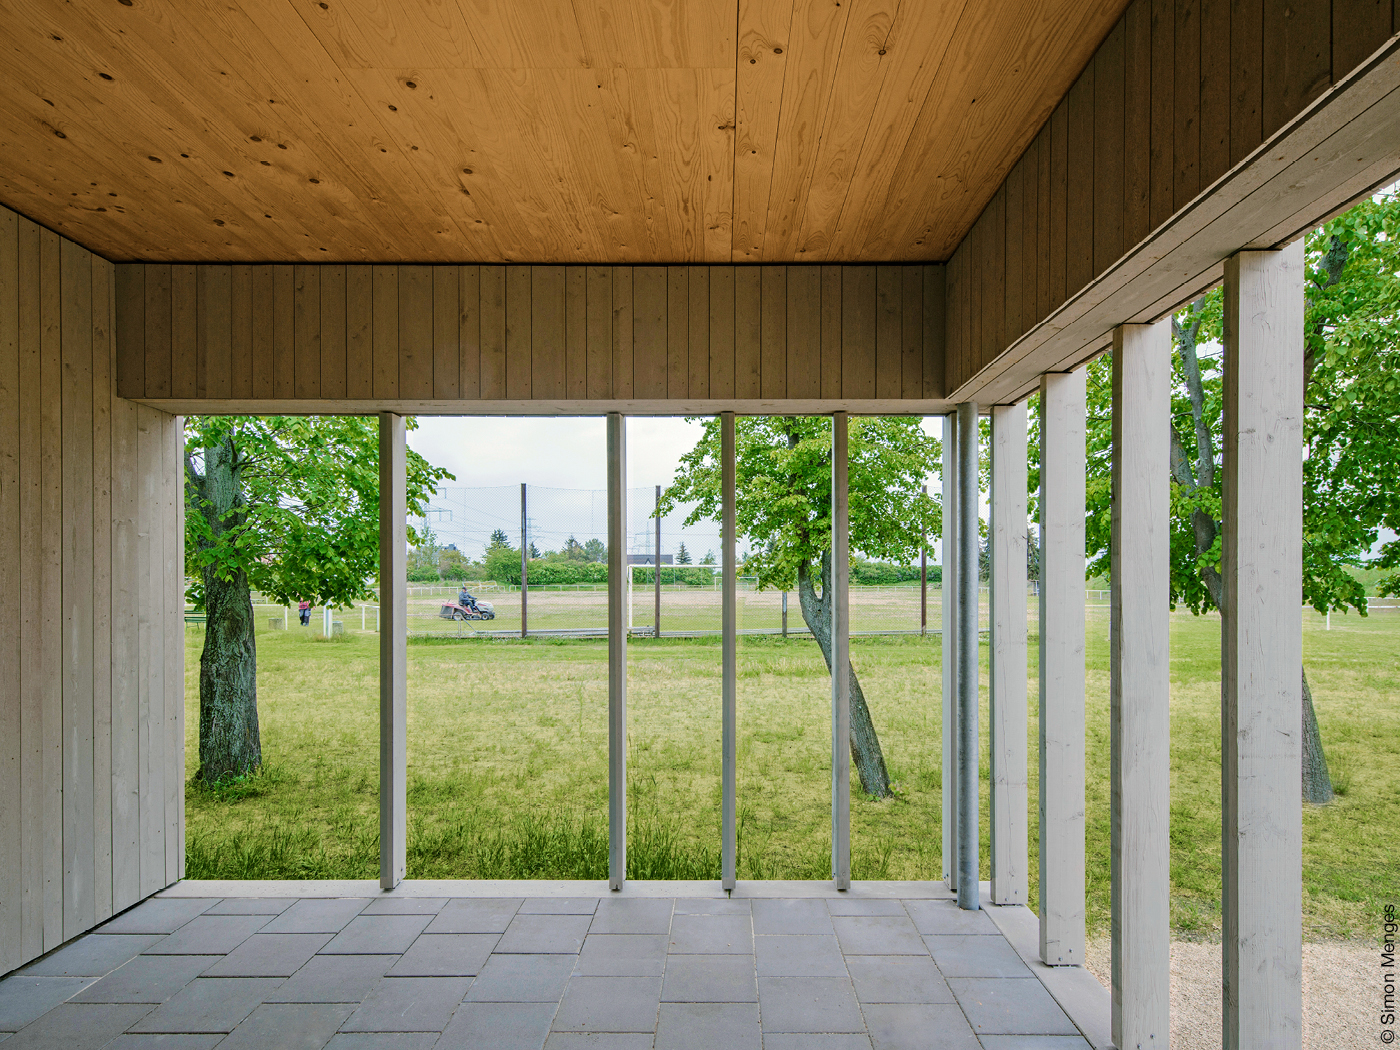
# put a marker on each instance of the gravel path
(1341, 993)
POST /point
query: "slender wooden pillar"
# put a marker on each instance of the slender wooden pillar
(1140, 686)
(617, 650)
(840, 659)
(948, 590)
(656, 579)
(524, 566)
(969, 750)
(729, 690)
(393, 650)
(1062, 462)
(1262, 649)
(923, 582)
(1010, 779)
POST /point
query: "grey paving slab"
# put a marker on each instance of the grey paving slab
(897, 979)
(209, 1004)
(945, 917)
(498, 1026)
(464, 915)
(77, 1027)
(709, 979)
(712, 934)
(91, 956)
(405, 906)
(161, 915)
(288, 1026)
(270, 955)
(24, 998)
(1035, 1042)
(878, 935)
(791, 916)
(377, 935)
(380, 1041)
(806, 955)
(634, 915)
(445, 955)
(408, 1004)
(522, 979)
(598, 1041)
(823, 1041)
(210, 935)
(165, 1041)
(147, 979)
(622, 955)
(711, 906)
(252, 906)
(911, 1026)
(864, 906)
(609, 1004)
(533, 934)
(559, 905)
(970, 955)
(334, 979)
(705, 1026)
(808, 1004)
(1010, 1006)
(330, 915)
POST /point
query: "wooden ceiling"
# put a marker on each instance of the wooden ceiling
(523, 130)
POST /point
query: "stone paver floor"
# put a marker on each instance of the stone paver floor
(414, 973)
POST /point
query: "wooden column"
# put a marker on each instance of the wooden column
(617, 650)
(948, 589)
(1262, 649)
(656, 580)
(728, 715)
(840, 659)
(1140, 686)
(969, 891)
(393, 650)
(1062, 463)
(1010, 781)
(524, 565)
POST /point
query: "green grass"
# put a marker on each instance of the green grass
(508, 764)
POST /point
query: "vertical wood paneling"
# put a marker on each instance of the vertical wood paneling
(1137, 121)
(889, 348)
(935, 329)
(748, 338)
(831, 331)
(51, 568)
(469, 331)
(158, 332)
(131, 327)
(493, 332)
(415, 331)
(698, 323)
(264, 383)
(306, 334)
(677, 331)
(240, 330)
(447, 332)
(858, 314)
(101, 486)
(993, 283)
(1108, 149)
(284, 377)
(1186, 103)
(214, 307)
(1163, 158)
(334, 332)
(721, 331)
(773, 331)
(912, 331)
(1079, 244)
(1358, 28)
(1246, 77)
(1215, 90)
(623, 368)
(1011, 252)
(1059, 201)
(649, 330)
(126, 690)
(576, 332)
(11, 742)
(1043, 209)
(359, 331)
(1030, 225)
(804, 331)
(1297, 58)
(151, 657)
(599, 331)
(172, 579)
(183, 333)
(547, 358)
(385, 331)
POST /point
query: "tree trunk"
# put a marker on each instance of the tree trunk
(865, 744)
(229, 744)
(1317, 781)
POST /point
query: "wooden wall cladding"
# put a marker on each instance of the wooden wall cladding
(1178, 93)
(91, 607)
(522, 333)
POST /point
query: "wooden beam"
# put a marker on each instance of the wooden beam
(393, 651)
(840, 658)
(968, 584)
(949, 612)
(617, 650)
(729, 839)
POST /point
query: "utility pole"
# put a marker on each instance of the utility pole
(524, 566)
(923, 581)
(656, 632)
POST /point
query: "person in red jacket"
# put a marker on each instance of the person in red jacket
(304, 612)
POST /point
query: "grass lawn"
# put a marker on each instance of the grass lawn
(507, 757)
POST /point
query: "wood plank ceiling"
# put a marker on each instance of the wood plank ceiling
(607, 131)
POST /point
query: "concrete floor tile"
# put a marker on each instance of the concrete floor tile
(160, 915)
(408, 1004)
(633, 915)
(945, 917)
(147, 979)
(380, 1041)
(808, 955)
(878, 935)
(269, 955)
(445, 955)
(609, 1004)
(210, 935)
(377, 935)
(1010, 1006)
(73, 1027)
(317, 915)
(705, 1026)
(559, 906)
(711, 906)
(827, 1041)
(808, 1004)
(24, 998)
(252, 906)
(92, 956)
(787, 916)
(864, 906)
(334, 979)
(466, 915)
(522, 979)
(209, 1004)
(709, 979)
(498, 1026)
(404, 906)
(533, 934)
(919, 1027)
(1035, 1042)
(165, 1041)
(711, 934)
(598, 1041)
(965, 955)
(897, 979)
(622, 955)
(288, 1026)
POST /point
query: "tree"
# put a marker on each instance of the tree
(682, 555)
(452, 564)
(708, 559)
(595, 550)
(573, 550)
(288, 506)
(499, 538)
(783, 508)
(534, 551)
(502, 561)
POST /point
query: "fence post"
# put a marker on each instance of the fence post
(524, 565)
(785, 614)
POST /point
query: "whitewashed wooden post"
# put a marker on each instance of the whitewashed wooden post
(1062, 462)
(729, 837)
(1262, 649)
(949, 598)
(969, 686)
(840, 659)
(393, 651)
(1010, 779)
(617, 650)
(1140, 686)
